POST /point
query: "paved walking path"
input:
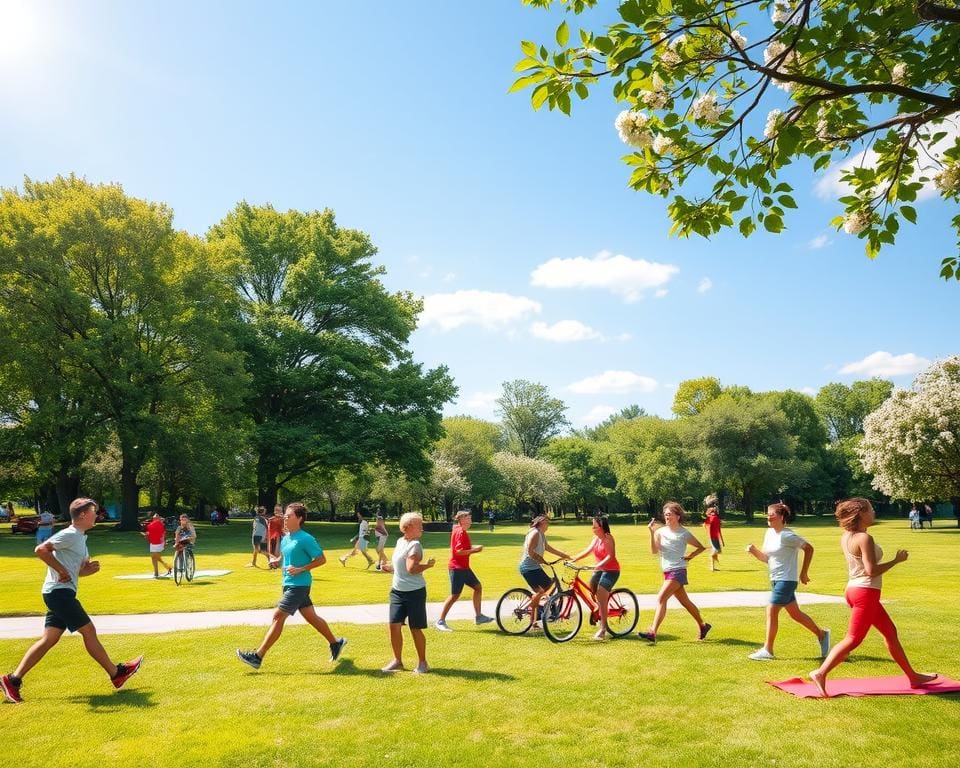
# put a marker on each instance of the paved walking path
(150, 623)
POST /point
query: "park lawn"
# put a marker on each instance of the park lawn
(922, 580)
(491, 700)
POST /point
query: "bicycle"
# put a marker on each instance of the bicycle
(563, 612)
(184, 563)
(513, 608)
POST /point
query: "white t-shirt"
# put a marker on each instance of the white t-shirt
(364, 529)
(673, 546)
(539, 543)
(781, 550)
(70, 550)
(46, 520)
(403, 580)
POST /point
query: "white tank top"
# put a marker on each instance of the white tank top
(856, 575)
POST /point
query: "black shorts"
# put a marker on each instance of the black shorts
(462, 577)
(294, 599)
(409, 606)
(259, 544)
(537, 579)
(64, 610)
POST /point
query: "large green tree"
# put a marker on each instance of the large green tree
(333, 382)
(531, 416)
(470, 444)
(844, 408)
(720, 97)
(586, 469)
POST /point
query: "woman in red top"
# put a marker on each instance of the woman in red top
(606, 571)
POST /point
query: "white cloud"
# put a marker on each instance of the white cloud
(564, 331)
(449, 277)
(481, 401)
(618, 274)
(484, 308)
(818, 242)
(623, 337)
(661, 293)
(884, 364)
(704, 285)
(613, 383)
(597, 414)
(830, 187)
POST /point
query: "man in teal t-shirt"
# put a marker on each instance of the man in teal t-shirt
(301, 554)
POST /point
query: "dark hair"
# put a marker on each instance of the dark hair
(603, 522)
(673, 506)
(848, 512)
(781, 509)
(79, 506)
(298, 509)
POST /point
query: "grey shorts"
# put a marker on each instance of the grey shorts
(294, 599)
(409, 606)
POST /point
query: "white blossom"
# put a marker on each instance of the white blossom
(662, 144)
(823, 125)
(632, 127)
(668, 57)
(739, 38)
(854, 223)
(948, 180)
(782, 13)
(705, 109)
(659, 97)
(770, 129)
(899, 74)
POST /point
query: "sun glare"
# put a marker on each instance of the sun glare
(20, 31)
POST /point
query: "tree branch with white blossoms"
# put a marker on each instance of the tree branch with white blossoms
(873, 77)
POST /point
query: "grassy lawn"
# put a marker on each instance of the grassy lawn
(492, 699)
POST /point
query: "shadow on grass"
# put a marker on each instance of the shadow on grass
(735, 642)
(117, 701)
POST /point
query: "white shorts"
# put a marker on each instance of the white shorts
(381, 540)
(362, 544)
(156, 547)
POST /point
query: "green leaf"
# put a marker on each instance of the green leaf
(529, 48)
(822, 162)
(786, 201)
(563, 34)
(523, 82)
(539, 96)
(773, 223)
(909, 213)
(581, 89)
(747, 226)
(782, 187)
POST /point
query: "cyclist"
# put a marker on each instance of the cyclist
(534, 545)
(184, 536)
(606, 571)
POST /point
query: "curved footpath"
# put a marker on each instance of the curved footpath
(149, 623)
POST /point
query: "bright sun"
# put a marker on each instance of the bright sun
(19, 30)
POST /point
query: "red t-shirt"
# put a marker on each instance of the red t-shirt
(713, 525)
(459, 540)
(275, 527)
(156, 532)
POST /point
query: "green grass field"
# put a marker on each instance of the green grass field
(491, 699)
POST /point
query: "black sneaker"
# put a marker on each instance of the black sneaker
(337, 648)
(10, 690)
(648, 636)
(703, 631)
(249, 657)
(125, 671)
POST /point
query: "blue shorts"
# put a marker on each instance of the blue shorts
(783, 592)
(605, 579)
(537, 579)
(294, 599)
(678, 575)
(460, 578)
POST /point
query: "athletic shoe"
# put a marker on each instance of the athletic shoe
(825, 644)
(648, 636)
(601, 635)
(336, 648)
(249, 657)
(481, 619)
(421, 669)
(125, 671)
(393, 666)
(378, 566)
(762, 655)
(343, 561)
(442, 626)
(11, 691)
(703, 631)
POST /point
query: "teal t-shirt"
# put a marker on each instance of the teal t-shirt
(298, 549)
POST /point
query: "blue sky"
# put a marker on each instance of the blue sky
(534, 259)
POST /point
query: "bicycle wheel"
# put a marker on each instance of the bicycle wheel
(513, 611)
(562, 617)
(623, 611)
(178, 568)
(191, 566)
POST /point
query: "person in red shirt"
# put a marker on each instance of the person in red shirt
(274, 534)
(712, 525)
(156, 535)
(460, 573)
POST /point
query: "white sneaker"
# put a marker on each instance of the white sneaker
(762, 655)
(442, 626)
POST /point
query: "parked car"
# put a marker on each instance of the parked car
(27, 525)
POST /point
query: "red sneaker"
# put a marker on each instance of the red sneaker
(11, 691)
(125, 671)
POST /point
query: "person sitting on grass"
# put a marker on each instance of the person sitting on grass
(780, 549)
(67, 559)
(301, 554)
(461, 574)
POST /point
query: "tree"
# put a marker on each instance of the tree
(470, 444)
(844, 408)
(586, 470)
(600, 432)
(530, 415)
(910, 443)
(527, 481)
(447, 485)
(333, 383)
(693, 395)
(734, 92)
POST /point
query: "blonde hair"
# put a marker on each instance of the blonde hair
(408, 517)
(677, 510)
(848, 512)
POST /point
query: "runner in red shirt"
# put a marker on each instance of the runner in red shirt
(274, 534)
(156, 536)
(460, 573)
(712, 526)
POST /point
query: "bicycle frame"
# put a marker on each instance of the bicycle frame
(582, 590)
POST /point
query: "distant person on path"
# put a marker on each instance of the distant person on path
(274, 534)
(45, 528)
(534, 545)
(491, 519)
(259, 536)
(301, 554)
(67, 559)
(781, 547)
(670, 541)
(928, 513)
(865, 571)
(156, 535)
(712, 526)
(914, 516)
(461, 575)
(606, 571)
(380, 531)
(408, 593)
(6, 512)
(360, 542)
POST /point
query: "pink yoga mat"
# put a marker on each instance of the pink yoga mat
(865, 686)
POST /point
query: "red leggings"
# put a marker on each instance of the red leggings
(866, 612)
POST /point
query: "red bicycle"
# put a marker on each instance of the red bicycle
(563, 612)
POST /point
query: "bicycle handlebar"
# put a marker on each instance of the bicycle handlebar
(572, 567)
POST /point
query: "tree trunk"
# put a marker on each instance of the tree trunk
(748, 504)
(129, 497)
(68, 489)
